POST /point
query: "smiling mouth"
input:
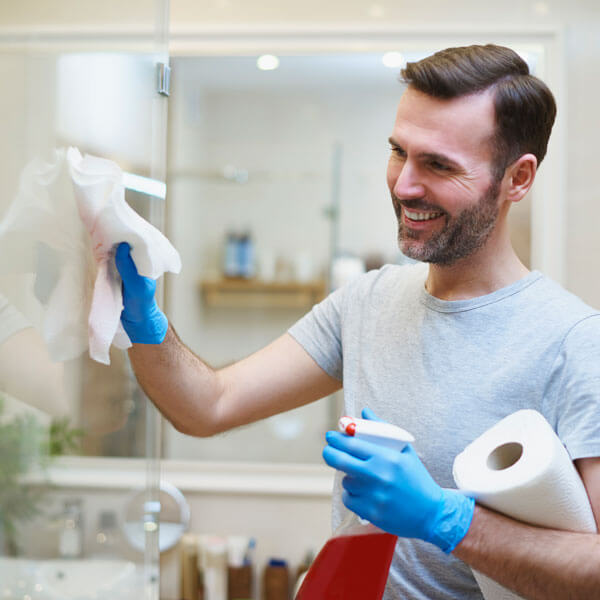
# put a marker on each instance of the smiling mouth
(421, 216)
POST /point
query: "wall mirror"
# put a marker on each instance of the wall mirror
(291, 162)
(291, 152)
(295, 158)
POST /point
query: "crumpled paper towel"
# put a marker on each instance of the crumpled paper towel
(63, 227)
(519, 467)
(98, 185)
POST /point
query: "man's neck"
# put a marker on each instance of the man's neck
(475, 276)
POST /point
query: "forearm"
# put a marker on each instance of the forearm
(183, 388)
(536, 563)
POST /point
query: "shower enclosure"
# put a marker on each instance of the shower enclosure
(82, 77)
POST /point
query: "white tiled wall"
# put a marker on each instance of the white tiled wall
(285, 137)
(579, 22)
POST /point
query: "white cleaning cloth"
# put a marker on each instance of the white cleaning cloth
(63, 227)
(520, 468)
(98, 185)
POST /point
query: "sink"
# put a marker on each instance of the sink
(68, 579)
(16, 577)
(73, 579)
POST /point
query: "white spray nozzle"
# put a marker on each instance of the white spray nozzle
(384, 434)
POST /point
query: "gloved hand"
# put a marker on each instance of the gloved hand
(141, 318)
(394, 491)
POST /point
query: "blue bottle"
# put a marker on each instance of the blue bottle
(246, 255)
(231, 264)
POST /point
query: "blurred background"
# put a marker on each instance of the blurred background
(272, 144)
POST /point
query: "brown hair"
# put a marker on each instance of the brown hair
(524, 106)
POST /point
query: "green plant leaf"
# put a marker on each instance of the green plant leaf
(25, 444)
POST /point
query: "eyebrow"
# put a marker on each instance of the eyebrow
(442, 158)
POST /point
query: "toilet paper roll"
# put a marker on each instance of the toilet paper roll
(519, 467)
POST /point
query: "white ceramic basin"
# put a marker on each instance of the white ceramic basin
(17, 577)
(85, 579)
(68, 579)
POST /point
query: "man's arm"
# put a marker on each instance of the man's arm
(199, 400)
(538, 563)
(394, 491)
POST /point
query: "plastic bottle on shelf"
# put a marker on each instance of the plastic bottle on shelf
(213, 561)
(304, 566)
(189, 580)
(302, 569)
(357, 546)
(239, 569)
(231, 264)
(107, 535)
(246, 255)
(70, 543)
(276, 580)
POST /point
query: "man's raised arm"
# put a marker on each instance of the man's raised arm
(197, 399)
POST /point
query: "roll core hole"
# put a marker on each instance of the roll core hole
(505, 456)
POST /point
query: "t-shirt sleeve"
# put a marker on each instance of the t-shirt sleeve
(575, 389)
(319, 332)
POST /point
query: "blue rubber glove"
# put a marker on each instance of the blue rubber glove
(141, 318)
(394, 491)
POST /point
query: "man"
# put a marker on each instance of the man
(444, 350)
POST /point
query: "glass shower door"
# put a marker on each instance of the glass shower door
(74, 85)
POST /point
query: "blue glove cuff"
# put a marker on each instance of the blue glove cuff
(152, 330)
(452, 521)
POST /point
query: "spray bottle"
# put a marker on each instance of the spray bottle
(355, 561)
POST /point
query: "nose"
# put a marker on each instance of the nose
(406, 181)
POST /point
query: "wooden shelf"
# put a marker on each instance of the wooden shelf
(254, 293)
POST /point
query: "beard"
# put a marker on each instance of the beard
(460, 237)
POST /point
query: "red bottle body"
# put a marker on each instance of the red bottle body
(350, 567)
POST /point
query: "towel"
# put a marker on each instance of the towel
(63, 227)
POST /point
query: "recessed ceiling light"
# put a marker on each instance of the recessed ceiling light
(393, 60)
(267, 62)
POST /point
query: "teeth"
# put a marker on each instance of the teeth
(417, 216)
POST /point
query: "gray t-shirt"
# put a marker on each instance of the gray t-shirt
(447, 371)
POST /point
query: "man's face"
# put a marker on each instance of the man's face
(439, 176)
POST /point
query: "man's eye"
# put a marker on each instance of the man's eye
(438, 166)
(398, 151)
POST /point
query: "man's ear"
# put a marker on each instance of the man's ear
(520, 176)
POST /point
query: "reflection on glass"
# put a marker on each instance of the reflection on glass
(54, 398)
(265, 157)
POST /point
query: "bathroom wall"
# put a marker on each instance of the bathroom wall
(76, 14)
(283, 129)
(579, 20)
